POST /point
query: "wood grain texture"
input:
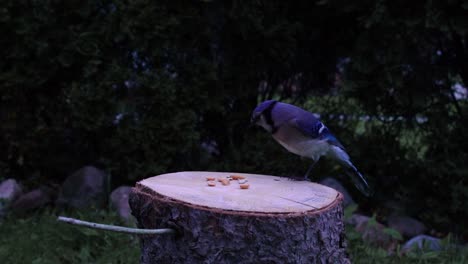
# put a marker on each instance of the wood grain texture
(266, 194)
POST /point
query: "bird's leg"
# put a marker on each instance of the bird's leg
(306, 176)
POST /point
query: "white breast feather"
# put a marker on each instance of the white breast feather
(312, 148)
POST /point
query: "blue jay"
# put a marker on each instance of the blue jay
(301, 133)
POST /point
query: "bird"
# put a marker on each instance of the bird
(303, 134)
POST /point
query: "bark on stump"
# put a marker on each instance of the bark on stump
(276, 220)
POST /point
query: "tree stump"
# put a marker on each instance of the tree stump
(275, 220)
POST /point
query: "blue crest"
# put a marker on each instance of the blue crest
(264, 105)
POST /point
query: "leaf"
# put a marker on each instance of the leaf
(393, 233)
(349, 210)
(372, 221)
(89, 232)
(430, 255)
(353, 235)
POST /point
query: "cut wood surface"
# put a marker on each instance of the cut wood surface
(266, 194)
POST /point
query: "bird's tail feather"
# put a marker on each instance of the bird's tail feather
(359, 180)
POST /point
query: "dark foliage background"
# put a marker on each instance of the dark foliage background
(144, 87)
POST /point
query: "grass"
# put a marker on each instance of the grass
(41, 239)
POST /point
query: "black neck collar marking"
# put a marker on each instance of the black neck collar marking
(268, 118)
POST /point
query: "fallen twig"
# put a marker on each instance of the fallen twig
(120, 229)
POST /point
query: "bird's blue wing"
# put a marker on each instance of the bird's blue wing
(313, 128)
(310, 126)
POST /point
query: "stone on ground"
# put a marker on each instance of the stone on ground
(84, 188)
(119, 201)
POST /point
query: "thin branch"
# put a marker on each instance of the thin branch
(120, 229)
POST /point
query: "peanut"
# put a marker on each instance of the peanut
(211, 183)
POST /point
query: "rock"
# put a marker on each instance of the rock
(10, 190)
(84, 188)
(30, 201)
(407, 226)
(119, 201)
(357, 220)
(422, 242)
(332, 183)
(374, 234)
